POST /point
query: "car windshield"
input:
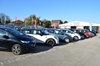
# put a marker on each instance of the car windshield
(45, 32)
(26, 31)
(14, 32)
(58, 32)
(68, 31)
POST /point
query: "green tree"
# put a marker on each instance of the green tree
(61, 22)
(4, 19)
(65, 21)
(38, 21)
(29, 20)
(46, 23)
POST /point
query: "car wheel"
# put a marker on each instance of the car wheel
(75, 38)
(67, 40)
(50, 42)
(82, 37)
(17, 49)
(95, 34)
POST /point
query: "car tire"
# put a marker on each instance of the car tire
(51, 42)
(75, 38)
(17, 49)
(82, 36)
(67, 40)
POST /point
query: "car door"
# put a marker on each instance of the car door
(38, 36)
(59, 34)
(2, 39)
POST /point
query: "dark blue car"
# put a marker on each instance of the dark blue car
(17, 42)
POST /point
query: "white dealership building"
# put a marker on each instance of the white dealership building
(81, 25)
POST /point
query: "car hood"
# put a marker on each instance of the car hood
(25, 38)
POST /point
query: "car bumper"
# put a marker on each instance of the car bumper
(57, 41)
(30, 45)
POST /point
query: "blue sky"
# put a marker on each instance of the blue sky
(65, 10)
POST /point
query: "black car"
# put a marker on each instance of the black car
(83, 36)
(94, 32)
(17, 42)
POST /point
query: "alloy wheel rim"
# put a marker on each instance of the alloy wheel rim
(67, 40)
(16, 49)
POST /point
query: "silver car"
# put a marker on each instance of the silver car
(60, 35)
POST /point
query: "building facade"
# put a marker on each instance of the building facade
(56, 23)
(81, 25)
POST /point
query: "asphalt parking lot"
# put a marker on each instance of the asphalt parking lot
(81, 53)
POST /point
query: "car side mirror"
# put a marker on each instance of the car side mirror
(41, 34)
(6, 37)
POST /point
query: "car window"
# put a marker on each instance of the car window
(38, 32)
(26, 32)
(51, 31)
(44, 32)
(56, 32)
(14, 32)
(66, 31)
(35, 32)
(2, 32)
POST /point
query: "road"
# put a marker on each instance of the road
(81, 53)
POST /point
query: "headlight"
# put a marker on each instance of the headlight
(25, 41)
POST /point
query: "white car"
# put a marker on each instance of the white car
(41, 36)
(75, 36)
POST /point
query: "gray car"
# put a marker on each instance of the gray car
(60, 35)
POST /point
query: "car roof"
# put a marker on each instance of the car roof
(4, 27)
(31, 29)
(53, 29)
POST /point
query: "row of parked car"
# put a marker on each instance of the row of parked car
(26, 38)
(67, 35)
